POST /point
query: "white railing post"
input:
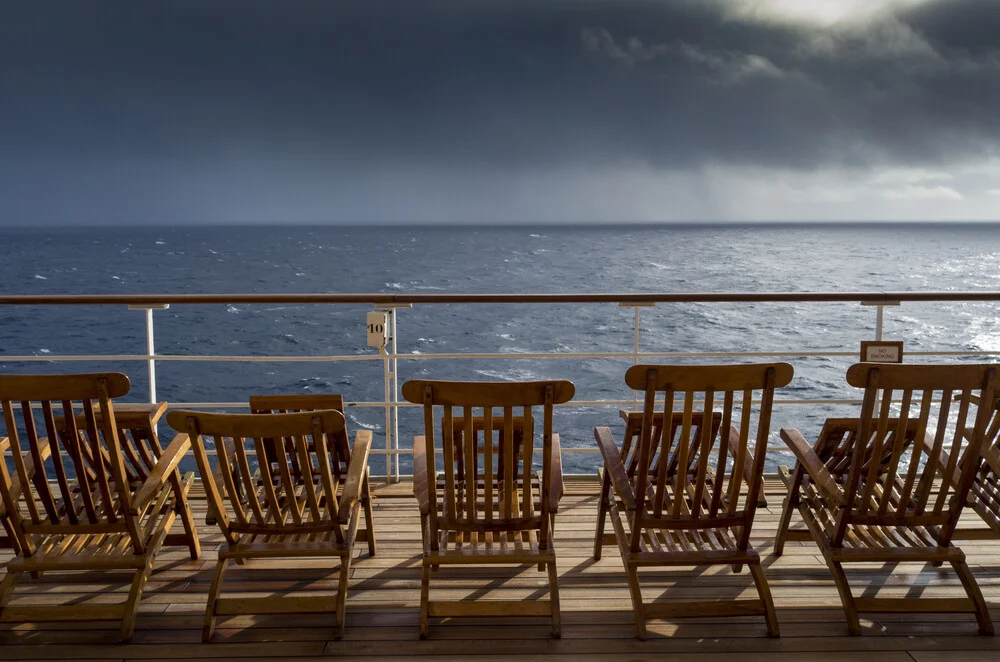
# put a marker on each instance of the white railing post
(390, 375)
(879, 314)
(150, 345)
(635, 349)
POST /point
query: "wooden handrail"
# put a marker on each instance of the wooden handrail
(874, 298)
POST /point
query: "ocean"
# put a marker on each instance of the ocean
(516, 259)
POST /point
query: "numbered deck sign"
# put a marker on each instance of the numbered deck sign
(377, 325)
(882, 351)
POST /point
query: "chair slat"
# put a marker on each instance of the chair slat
(101, 468)
(739, 462)
(470, 456)
(704, 452)
(679, 506)
(447, 435)
(661, 437)
(301, 447)
(510, 475)
(55, 443)
(527, 461)
(39, 478)
(274, 511)
(246, 477)
(720, 471)
(228, 465)
(488, 472)
(955, 452)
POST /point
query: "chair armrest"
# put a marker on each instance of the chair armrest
(817, 471)
(614, 467)
(158, 477)
(734, 448)
(355, 474)
(556, 488)
(421, 489)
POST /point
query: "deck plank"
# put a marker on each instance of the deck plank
(597, 621)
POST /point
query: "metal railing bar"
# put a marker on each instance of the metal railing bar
(873, 298)
(570, 404)
(482, 356)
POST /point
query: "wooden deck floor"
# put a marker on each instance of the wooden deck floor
(597, 621)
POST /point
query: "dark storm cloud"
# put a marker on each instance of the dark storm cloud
(166, 94)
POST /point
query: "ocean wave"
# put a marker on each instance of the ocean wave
(40, 277)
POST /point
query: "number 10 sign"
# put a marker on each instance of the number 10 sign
(377, 323)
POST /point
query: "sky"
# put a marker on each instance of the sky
(498, 111)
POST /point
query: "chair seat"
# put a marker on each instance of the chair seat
(62, 551)
(920, 541)
(110, 549)
(264, 545)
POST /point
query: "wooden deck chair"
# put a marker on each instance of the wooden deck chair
(474, 517)
(701, 516)
(834, 448)
(289, 404)
(630, 454)
(277, 515)
(94, 515)
(896, 510)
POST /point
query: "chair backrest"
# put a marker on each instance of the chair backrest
(508, 505)
(708, 493)
(905, 491)
(286, 404)
(261, 498)
(45, 439)
(136, 426)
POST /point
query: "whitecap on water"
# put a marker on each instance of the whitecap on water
(45, 351)
(300, 273)
(40, 277)
(393, 286)
(516, 374)
(355, 421)
(232, 309)
(159, 242)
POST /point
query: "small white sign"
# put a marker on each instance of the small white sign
(882, 352)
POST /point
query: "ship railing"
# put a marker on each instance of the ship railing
(390, 304)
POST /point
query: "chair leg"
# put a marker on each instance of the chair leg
(425, 591)
(770, 615)
(208, 630)
(788, 506)
(602, 515)
(554, 600)
(7, 588)
(637, 609)
(345, 576)
(366, 501)
(846, 597)
(132, 604)
(783, 524)
(976, 595)
(187, 518)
